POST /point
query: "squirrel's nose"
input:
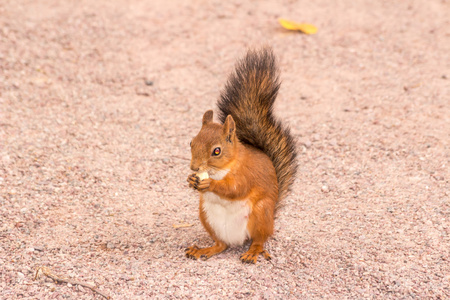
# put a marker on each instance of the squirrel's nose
(194, 168)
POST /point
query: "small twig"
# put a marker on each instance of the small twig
(176, 226)
(47, 272)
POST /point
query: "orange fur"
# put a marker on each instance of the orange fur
(252, 176)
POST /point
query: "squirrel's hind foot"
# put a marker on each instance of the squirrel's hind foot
(251, 256)
(204, 253)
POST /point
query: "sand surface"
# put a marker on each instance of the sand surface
(100, 99)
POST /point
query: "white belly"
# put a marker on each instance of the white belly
(228, 219)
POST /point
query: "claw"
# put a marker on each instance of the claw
(248, 261)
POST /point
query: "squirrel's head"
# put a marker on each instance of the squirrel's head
(215, 146)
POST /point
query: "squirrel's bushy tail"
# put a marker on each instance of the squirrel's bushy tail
(248, 97)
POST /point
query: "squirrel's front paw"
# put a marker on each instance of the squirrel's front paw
(200, 185)
(193, 181)
(204, 185)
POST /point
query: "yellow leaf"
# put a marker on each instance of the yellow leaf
(303, 27)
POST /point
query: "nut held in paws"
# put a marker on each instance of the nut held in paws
(203, 175)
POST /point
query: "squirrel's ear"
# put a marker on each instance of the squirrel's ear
(207, 117)
(229, 129)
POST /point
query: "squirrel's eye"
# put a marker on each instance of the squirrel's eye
(216, 151)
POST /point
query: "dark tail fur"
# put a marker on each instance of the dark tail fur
(248, 97)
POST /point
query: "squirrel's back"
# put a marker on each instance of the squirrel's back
(248, 97)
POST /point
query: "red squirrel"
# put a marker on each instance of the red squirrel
(250, 160)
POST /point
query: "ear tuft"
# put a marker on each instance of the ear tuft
(229, 129)
(207, 117)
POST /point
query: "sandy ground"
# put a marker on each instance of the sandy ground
(98, 103)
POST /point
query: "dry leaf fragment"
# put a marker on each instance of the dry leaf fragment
(303, 27)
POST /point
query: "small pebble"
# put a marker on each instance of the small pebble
(325, 188)
(39, 248)
(110, 245)
(307, 144)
